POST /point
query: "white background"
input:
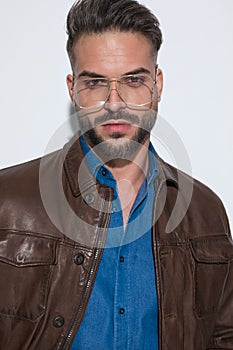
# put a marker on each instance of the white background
(196, 57)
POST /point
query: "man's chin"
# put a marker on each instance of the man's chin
(116, 136)
(118, 146)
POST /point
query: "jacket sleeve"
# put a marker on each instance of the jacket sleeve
(223, 332)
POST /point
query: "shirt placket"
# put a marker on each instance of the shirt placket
(121, 301)
(121, 288)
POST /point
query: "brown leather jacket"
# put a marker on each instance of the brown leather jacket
(51, 242)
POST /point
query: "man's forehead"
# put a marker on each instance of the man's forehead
(113, 48)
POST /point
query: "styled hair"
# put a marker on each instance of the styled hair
(99, 16)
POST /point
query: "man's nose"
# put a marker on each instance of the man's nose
(114, 102)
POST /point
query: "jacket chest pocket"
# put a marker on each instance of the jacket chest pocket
(212, 257)
(25, 265)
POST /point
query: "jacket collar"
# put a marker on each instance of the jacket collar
(167, 173)
(76, 169)
(80, 178)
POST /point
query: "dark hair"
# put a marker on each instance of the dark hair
(99, 16)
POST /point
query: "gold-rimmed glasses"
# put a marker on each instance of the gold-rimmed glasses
(135, 90)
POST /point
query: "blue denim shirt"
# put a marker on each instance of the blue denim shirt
(122, 313)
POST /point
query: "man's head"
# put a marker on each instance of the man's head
(99, 16)
(115, 85)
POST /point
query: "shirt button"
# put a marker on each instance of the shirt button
(122, 259)
(122, 311)
(58, 322)
(79, 259)
(104, 172)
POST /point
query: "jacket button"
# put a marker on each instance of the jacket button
(79, 259)
(58, 322)
(21, 258)
(89, 198)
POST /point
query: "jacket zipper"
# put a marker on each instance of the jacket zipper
(97, 256)
(157, 268)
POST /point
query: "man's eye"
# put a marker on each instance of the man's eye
(93, 83)
(134, 81)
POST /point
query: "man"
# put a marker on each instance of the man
(102, 246)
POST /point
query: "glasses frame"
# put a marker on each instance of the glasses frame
(117, 80)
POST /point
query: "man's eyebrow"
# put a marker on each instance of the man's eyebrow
(90, 74)
(138, 71)
(86, 73)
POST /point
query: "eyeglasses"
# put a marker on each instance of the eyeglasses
(135, 90)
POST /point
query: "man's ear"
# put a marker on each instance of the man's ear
(159, 83)
(70, 85)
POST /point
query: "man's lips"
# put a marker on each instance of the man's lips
(118, 126)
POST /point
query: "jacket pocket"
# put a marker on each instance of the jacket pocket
(212, 257)
(25, 263)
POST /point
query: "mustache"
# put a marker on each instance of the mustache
(121, 115)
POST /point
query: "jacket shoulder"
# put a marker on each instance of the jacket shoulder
(21, 205)
(19, 181)
(201, 209)
(25, 175)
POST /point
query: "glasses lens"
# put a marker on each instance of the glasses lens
(91, 92)
(136, 90)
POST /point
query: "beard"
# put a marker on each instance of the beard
(118, 147)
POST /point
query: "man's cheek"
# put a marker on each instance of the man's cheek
(85, 124)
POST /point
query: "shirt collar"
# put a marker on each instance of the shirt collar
(72, 159)
(94, 163)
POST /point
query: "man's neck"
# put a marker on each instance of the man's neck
(133, 170)
(129, 176)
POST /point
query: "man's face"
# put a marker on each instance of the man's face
(111, 55)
